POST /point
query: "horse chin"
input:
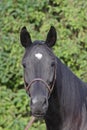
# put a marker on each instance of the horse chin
(39, 116)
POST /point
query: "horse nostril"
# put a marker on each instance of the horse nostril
(44, 102)
(34, 101)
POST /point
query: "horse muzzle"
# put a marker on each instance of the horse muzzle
(39, 107)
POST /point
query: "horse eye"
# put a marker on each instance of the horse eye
(52, 64)
(24, 65)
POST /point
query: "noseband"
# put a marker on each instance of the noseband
(27, 87)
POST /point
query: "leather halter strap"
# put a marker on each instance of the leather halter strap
(27, 88)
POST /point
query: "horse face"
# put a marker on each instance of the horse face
(39, 70)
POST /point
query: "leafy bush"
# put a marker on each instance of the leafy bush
(70, 20)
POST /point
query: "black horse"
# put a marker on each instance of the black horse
(56, 94)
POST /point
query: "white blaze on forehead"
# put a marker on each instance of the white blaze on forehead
(38, 56)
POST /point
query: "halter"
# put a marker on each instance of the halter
(27, 87)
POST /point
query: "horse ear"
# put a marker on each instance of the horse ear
(51, 37)
(25, 37)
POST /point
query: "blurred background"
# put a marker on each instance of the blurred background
(70, 20)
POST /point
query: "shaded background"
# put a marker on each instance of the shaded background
(70, 20)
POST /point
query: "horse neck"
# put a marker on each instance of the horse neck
(66, 100)
(70, 92)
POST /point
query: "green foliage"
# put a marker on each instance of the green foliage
(12, 110)
(70, 20)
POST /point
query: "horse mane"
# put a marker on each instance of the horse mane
(71, 91)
